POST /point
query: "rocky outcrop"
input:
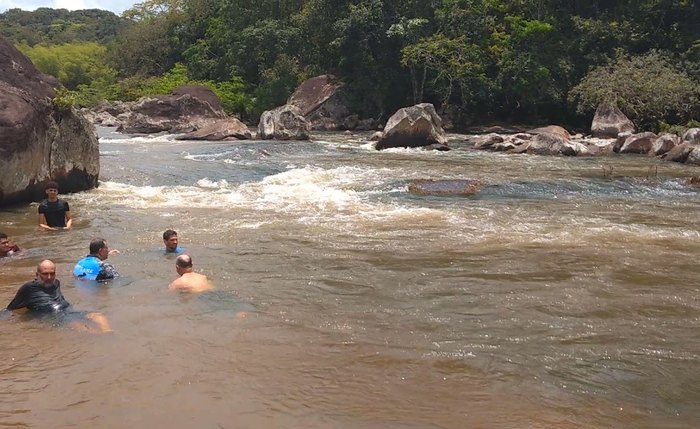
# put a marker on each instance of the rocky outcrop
(323, 103)
(691, 135)
(283, 123)
(639, 143)
(169, 113)
(663, 144)
(203, 93)
(413, 126)
(458, 187)
(223, 129)
(609, 121)
(39, 140)
(553, 130)
(552, 140)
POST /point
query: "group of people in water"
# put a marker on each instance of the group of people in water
(43, 294)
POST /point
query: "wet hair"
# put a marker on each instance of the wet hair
(96, 244)
(183, 261)
(168, 233)
(51, 185)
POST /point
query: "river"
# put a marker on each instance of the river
(564, 294)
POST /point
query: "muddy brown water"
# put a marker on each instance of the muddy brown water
(561, 295)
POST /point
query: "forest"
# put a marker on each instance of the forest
(477, 61)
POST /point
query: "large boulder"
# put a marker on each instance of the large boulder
(554, 144)
(323, 103)
(609, 121)
(413, 126)
(283, 123)
(691, 135)
(639, 143)
(663, 144)
(552, 129)
(203, 93)
(223, 129)
(40, 140)
(680, 153)
(170, 113)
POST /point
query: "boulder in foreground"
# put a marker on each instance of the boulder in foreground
(40, 140)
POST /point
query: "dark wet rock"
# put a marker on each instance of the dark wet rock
(663, 144)
(322, 102)
(40, 142)
(552, 129)
(223, 129)
(639, 143)
(367, 125)
(458, 187)
(413, 126)
(283, 123)
(609, 121)
(438, 147)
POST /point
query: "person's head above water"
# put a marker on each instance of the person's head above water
(46, 273)
(183, 264)
(170, 240)
(51, 190)
(99, 248)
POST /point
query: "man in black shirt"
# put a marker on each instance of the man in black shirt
(43, 295)
(54, 213)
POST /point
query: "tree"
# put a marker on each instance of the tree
(647, 88)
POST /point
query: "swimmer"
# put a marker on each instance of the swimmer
(189, 281)
(7, 247)
(170, 240)
(93, 266)
(54, 213)
(43, 295)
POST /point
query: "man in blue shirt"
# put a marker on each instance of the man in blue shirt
(170, 240)
(93, 266)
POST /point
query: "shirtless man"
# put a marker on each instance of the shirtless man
(43, 295)
(189, 281)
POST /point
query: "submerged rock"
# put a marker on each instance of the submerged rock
(457, 187)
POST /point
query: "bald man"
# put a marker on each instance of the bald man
(43, 295)
(189, 281)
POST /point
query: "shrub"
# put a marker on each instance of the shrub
(647, 88)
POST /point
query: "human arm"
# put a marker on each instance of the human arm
(69, 219)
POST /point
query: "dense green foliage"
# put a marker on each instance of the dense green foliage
(59, 26)
(480, 60)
